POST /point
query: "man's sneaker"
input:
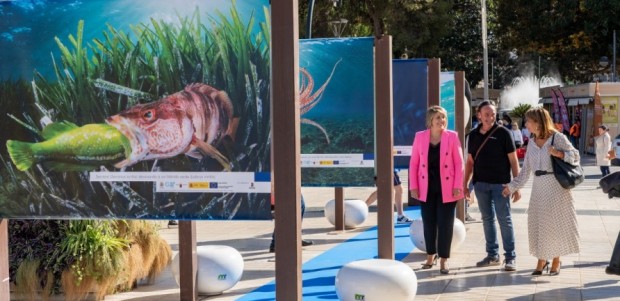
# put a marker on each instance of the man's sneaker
(488, 261)
(403, 219)
(510, 265)
(468, 218)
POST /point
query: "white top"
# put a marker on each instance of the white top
(602, 146)
(517, 136)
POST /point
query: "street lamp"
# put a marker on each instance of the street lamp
(485, 51)
(603, 62)
(310, 10)
(613, 67)
(338, 26)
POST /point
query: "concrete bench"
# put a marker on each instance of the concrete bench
(355, 212)
(416, 234)
(219, 268)
(376, 279)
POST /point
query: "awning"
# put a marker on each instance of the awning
(579, 101)
(585, 101)
(545, 100)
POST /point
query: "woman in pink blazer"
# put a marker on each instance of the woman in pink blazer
(436, 179)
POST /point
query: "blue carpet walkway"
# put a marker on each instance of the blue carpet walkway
(319, 274)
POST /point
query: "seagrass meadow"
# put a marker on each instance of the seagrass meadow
(89, 79)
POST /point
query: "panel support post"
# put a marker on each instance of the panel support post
(384, 146)
(286, 147)
(459, 124)
(5, 291)
(188, 263)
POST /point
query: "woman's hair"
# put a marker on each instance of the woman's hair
(431, 112)
(542, 118)
(515, 126)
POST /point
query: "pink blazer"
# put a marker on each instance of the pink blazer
(450, 165)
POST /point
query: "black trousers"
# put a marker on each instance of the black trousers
(614, 263)
(438, 220)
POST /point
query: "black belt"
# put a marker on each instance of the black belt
(542, 172)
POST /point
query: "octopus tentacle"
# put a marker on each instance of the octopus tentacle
(307, 84)
(309, 101)
(310, 122)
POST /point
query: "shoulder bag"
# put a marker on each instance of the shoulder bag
(568, 175)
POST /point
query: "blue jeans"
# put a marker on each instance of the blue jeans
(574, 141)
(492, 203)
(605, 170)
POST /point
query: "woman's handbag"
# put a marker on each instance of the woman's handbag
(611, 154)
(568, 175)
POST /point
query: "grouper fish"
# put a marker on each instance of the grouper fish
(191, 122)
(68, 147)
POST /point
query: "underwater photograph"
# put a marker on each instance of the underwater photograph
(337, 112)
(124, 109)
(410, 92)
(447, 96)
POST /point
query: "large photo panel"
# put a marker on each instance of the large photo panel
(410, 86)
(151, 109)
(337, 112)
(447, 96)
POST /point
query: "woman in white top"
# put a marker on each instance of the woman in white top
(517, 136)
(526, 135)
(602, 144)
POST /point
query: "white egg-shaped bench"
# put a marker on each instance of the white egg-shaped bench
(218, 268)
(355, 212)
(416, 234)
(376, 279)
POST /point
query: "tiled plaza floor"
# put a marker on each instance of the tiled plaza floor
(582, 275)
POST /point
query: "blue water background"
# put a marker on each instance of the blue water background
(447, 96)
(410, 86)
(346, 109)
(350, 93)
(28, 27)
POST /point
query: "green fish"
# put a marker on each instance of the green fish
(68, 147)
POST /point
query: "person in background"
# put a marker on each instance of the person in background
(551, 216)
(602, 145)
(506, 121)
(575, 132)
(436, 179)
(526, 135)
(517, 136)
(398, 200)
(304, 243)
(492, 160)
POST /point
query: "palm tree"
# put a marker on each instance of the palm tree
(519, 112)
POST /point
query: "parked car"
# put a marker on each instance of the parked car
(616, 144)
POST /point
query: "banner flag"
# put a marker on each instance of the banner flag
(563, 110)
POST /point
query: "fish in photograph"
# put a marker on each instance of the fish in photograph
(191, 122)
(68, 147)
(308, 99)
